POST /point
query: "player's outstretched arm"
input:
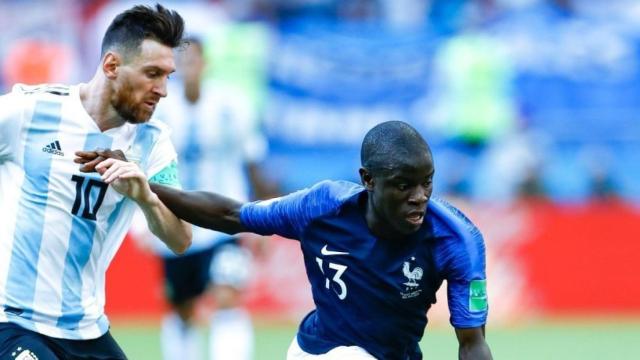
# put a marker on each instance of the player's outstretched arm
(472, 344)
(204, 209)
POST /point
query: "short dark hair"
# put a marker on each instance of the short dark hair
(388, 143)
(128, 29)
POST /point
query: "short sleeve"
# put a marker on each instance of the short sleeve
(11, 119)
(163, 154)
(467, 281)
(168, 176)
(289, 215)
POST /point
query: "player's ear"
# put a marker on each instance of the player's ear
(366, 178)
(110, 64)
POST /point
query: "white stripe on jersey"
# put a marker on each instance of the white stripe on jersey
(61, 228)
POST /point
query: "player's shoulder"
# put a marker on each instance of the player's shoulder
(449, 221)
(154, 130)
(24, 96)
(156, 124)
(41, 90)
(459, 243)
(335, 192)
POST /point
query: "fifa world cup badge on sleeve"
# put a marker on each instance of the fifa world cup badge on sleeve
(478, 295)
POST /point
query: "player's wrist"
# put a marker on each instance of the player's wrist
(149, 199)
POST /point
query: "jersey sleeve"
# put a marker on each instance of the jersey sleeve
(168, 176)
(11, 119)
(162, 164)
(466, 280)
(289, 215)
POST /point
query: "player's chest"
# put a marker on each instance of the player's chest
(347, 261)
(50, 173)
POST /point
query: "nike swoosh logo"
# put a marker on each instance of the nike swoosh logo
(326, 252)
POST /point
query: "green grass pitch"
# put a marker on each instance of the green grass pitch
(554, 339)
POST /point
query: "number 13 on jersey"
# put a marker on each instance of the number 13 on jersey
(339, 270)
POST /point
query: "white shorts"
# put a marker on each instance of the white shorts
(231, 265)
(339, 353)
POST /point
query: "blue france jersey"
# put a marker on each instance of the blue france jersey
(371, 292)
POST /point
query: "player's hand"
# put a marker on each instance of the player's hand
(90, 159)
(127, 179)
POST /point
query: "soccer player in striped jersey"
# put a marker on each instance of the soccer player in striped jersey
(60, 228)
(375, 253)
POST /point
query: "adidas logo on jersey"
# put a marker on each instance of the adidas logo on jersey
(53, 148)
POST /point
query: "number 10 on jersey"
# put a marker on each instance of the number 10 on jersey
(340, 269)
(83, 196)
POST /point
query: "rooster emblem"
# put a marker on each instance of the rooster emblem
(413, 275)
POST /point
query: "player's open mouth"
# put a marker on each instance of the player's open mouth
(415, 217)
(150, 104)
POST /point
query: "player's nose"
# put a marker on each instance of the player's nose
(419, 195)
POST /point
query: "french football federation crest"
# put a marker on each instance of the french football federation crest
(413, 275)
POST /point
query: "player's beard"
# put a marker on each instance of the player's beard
(127, 109)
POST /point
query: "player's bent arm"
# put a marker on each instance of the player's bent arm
(204, 209)
(127, 179)
(472, 344)
(166, 226)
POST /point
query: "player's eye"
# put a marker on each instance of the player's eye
(402, 186)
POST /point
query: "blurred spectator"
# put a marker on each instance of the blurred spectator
(475, 106)
(28, 61)
(598, 162)
(219, 148)
(512, 166)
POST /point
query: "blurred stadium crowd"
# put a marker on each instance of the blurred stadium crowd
(517, 97)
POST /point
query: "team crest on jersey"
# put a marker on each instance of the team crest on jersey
(23, 354)
(413, 275)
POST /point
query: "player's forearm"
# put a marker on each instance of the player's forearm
(475, 351)
(204, 209)
(175, 233)
(472, 344)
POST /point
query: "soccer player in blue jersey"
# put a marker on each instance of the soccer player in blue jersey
(60, 228)
(375, 253)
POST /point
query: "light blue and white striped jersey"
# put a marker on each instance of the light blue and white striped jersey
(60, 228)
(215, 138)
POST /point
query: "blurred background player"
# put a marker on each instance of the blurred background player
(219, 146)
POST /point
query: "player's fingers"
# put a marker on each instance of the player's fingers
(113, 154)
(115, 171)
(80, 160)
(114, 174)
(131, 174)
(105, 164)
(86, 154)
(91, 165)
(108, 167)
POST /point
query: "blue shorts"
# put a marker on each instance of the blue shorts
(18, 343)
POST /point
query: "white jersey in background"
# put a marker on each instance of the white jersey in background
(215, 138)
(60, 228)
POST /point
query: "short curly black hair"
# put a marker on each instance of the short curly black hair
(386, 144)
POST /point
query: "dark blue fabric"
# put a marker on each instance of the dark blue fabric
(15, 340)
(371, 292)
